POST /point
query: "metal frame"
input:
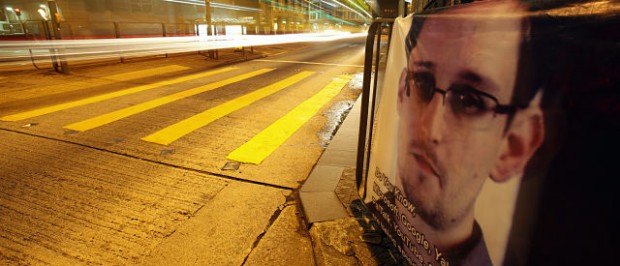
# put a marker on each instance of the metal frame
(368, 100)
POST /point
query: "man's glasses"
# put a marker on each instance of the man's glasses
(466, 106)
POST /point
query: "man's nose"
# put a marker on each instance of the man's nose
(432, 120)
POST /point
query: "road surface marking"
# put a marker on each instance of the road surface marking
(107, 96)
(132, 110)
(182, 128)
(85, 84)
(307, 63)
(264, 143)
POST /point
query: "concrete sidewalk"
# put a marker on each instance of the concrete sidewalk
(341, 228)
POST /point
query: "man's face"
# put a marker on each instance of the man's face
(446, 152)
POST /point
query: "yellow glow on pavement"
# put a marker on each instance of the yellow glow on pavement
(132, 110)
(262, 145)
(107, 96)
(180, 129)
(142, 73)
(90, 83)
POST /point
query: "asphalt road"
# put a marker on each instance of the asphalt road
(130, 163)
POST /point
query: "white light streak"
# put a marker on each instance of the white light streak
(329, 4)
(215, 5)
(360, 8)
(19, 52)
(367, 15)
(43, 13)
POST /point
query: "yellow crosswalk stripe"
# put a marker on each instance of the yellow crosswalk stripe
(85, 84)
(132, 110)
(262, 145)
(107, 96)
(182, 128)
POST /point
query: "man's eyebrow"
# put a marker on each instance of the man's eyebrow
(486, 84)
(470, 76)
(424, 64)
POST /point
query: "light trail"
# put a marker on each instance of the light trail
(214, 5)
(23, 52)
(366, 14)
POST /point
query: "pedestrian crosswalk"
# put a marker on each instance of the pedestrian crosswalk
(254, 151)
(132, 110)
(262, 145)
(174, 132)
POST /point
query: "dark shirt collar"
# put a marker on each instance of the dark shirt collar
(472, 252)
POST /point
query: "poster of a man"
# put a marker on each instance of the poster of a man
(483, 108)
(460, 123)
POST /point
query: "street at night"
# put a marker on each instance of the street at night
(80, 192)
(309, 132)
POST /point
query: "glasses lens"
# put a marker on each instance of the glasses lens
(423, 84)
(468, 107)
(465, 106)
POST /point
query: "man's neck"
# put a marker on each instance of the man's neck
(445, 238)
(454, 236)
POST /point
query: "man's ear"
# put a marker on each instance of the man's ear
(524, 137)
(401, 86)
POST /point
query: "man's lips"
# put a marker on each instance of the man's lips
(425, 163)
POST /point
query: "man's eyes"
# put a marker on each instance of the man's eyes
(424, 80)
(465, 100)
(461, 98)
(424, 84)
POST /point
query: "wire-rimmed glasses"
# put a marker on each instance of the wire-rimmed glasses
(465, 105)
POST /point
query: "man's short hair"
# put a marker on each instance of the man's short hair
(529, 78)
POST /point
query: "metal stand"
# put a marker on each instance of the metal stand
(368, 100)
